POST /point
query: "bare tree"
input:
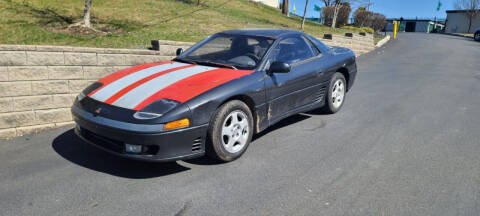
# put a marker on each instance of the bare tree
(472, 10)
(336, 7)
(342, 15)
(304, 14)
(86, 16)
(327, 3)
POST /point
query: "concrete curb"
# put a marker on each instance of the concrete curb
(383, 41)
(458, 35)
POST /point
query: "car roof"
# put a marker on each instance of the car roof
(271, 33)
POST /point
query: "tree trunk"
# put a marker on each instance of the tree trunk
(335, 14)
(304, 14)
(285, 7)
(470, 23)
(86, 13)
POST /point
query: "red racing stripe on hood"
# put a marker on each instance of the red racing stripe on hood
(140, 82)
(193, 86)
(122, 73)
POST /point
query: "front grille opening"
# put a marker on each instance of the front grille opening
(150, 150)
(105, 142)
(115, 145)
(197, 144)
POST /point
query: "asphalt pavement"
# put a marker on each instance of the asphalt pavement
(407, 142)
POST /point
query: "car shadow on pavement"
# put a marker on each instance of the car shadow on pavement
(75, 150)
(283, 123)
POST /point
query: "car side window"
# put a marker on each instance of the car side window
(291, 50)
(314, 48)
(318, 43)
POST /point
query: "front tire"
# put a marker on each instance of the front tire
(477, 36)
(230, 131)
(337, 90)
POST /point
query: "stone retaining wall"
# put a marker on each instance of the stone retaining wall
(358, 43)
(39, 83)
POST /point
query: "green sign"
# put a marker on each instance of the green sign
(316, 8)
(439, 5)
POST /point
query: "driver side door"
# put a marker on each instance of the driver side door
(288, 92)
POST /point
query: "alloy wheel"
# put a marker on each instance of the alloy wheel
(235, 131)
(338, 93)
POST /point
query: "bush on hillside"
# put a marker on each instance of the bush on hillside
(342, 17)
(364, 18)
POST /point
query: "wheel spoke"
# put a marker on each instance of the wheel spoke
(227, 131)
(234, 118)
(229, 145)
(243, 137)
(243, 123)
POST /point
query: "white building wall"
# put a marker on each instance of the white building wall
(458, 23)
(271, 3)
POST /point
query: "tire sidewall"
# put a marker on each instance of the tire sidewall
(215, 130)
(335, 77)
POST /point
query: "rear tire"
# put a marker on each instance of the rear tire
(230, 131)
(337, 90)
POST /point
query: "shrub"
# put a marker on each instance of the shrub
(342, 17)
(364, 18)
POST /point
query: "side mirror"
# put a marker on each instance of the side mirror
(279, 67)
(179, 51)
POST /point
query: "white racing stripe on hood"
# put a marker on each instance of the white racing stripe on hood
(144, 91)
(114, 87)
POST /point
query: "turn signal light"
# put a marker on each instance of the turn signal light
(177, 124)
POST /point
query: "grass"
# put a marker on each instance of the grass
(378, 37)
(133, 23)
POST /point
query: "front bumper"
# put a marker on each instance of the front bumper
(157, 145)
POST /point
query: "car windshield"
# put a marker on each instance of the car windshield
(231, 51)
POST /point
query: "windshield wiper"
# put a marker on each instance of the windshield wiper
(217, 64)
(185, 61)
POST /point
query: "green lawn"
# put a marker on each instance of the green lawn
(133, 23)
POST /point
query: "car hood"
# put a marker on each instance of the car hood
(137, 87)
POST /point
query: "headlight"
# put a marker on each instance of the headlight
(146, 115)
(156, 109)
(177, 124)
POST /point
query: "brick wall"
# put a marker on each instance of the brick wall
(358, 43)
(39, 83)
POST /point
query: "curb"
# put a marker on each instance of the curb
(383, 41)
(458, 35)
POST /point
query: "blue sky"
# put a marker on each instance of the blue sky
(390, 8)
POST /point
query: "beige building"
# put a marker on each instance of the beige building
(271, 3)
(457, 22)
